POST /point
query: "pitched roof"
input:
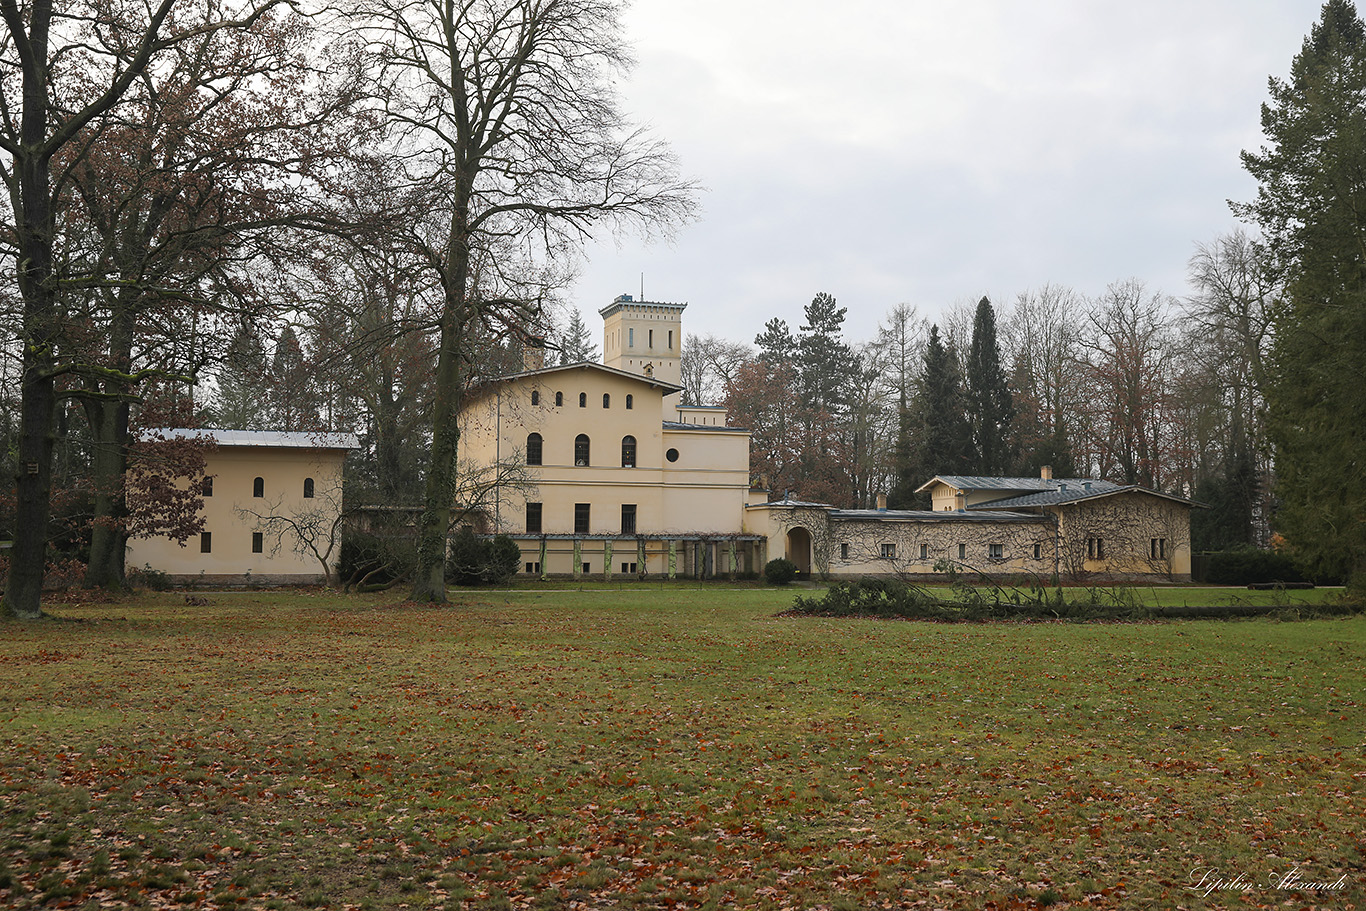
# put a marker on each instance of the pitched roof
(929, 515)
(284, 439)
(487, 386)
(1072, 494)
(979, 482)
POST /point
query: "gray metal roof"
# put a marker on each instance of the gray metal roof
(978, 482)
(284, 439)
(1074, 494)
(930, 515)
(678, 425)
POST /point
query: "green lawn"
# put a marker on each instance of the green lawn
(671, 747)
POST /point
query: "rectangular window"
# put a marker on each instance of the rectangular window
(533, 568)
(652, 339)
(962, 551)
(671, 340)
(258, 542)
(1095, 548)
(889, 551)
(206, 490)
(1158, 549)
(996, 552)
(1038, 551)
(533, 518)
(206, 542)
(628, 567)
(844, 551)
(586, 569)
(581, 520)
(630, 338)
(924, 551)
(628, 518)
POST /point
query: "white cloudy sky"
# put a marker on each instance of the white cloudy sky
(932, 151)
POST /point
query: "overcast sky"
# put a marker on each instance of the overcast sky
(907, 151)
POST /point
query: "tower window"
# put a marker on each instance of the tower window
(630, 338)
(652, 339)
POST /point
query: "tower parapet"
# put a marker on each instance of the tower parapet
(644, 337)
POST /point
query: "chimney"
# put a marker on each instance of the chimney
(960, 500)
(1046, 473)
(533, 353)
(882, 502)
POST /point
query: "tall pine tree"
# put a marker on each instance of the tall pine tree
(990, 407)
(1311, 206)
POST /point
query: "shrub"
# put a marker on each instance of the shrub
(504, 558)
(893, 598)
(1250, 565)
(780, 571)
(146, 577)
(377, 557)
(476, 561)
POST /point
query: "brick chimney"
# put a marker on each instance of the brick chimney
(533, 353)
(1046, 473)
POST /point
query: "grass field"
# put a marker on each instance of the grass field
(671, 747)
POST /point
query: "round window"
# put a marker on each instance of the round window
(671, 455)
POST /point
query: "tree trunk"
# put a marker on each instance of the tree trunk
(108, 537)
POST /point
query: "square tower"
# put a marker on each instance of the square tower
(644, 338)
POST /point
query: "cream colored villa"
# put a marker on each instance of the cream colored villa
(272, 506)
(604, 474)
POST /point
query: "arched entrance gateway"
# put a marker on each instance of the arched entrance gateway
(799, 549)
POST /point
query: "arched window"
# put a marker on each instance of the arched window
(308, 488)
(258, 487)
(559, 399)
(581, 449)
(535, 396)
(583, 400)
(628, 452)
(533, 449)
(630, 400)
(606, 400)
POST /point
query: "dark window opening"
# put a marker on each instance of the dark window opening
(206, 489)
(533, 449)
(559, 399)
(628, 452)
(206, 542)
(581, 449)
(533, 518)
(606, 400)
(535, 397)
(581, 520)
(630, 400)
(671, 455)
(628, 518)
(258, 487)
(583, 400)
(258, 542)
(308, 488)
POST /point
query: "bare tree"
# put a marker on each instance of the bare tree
(504, 114)
(97, 52)
(709, 365)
